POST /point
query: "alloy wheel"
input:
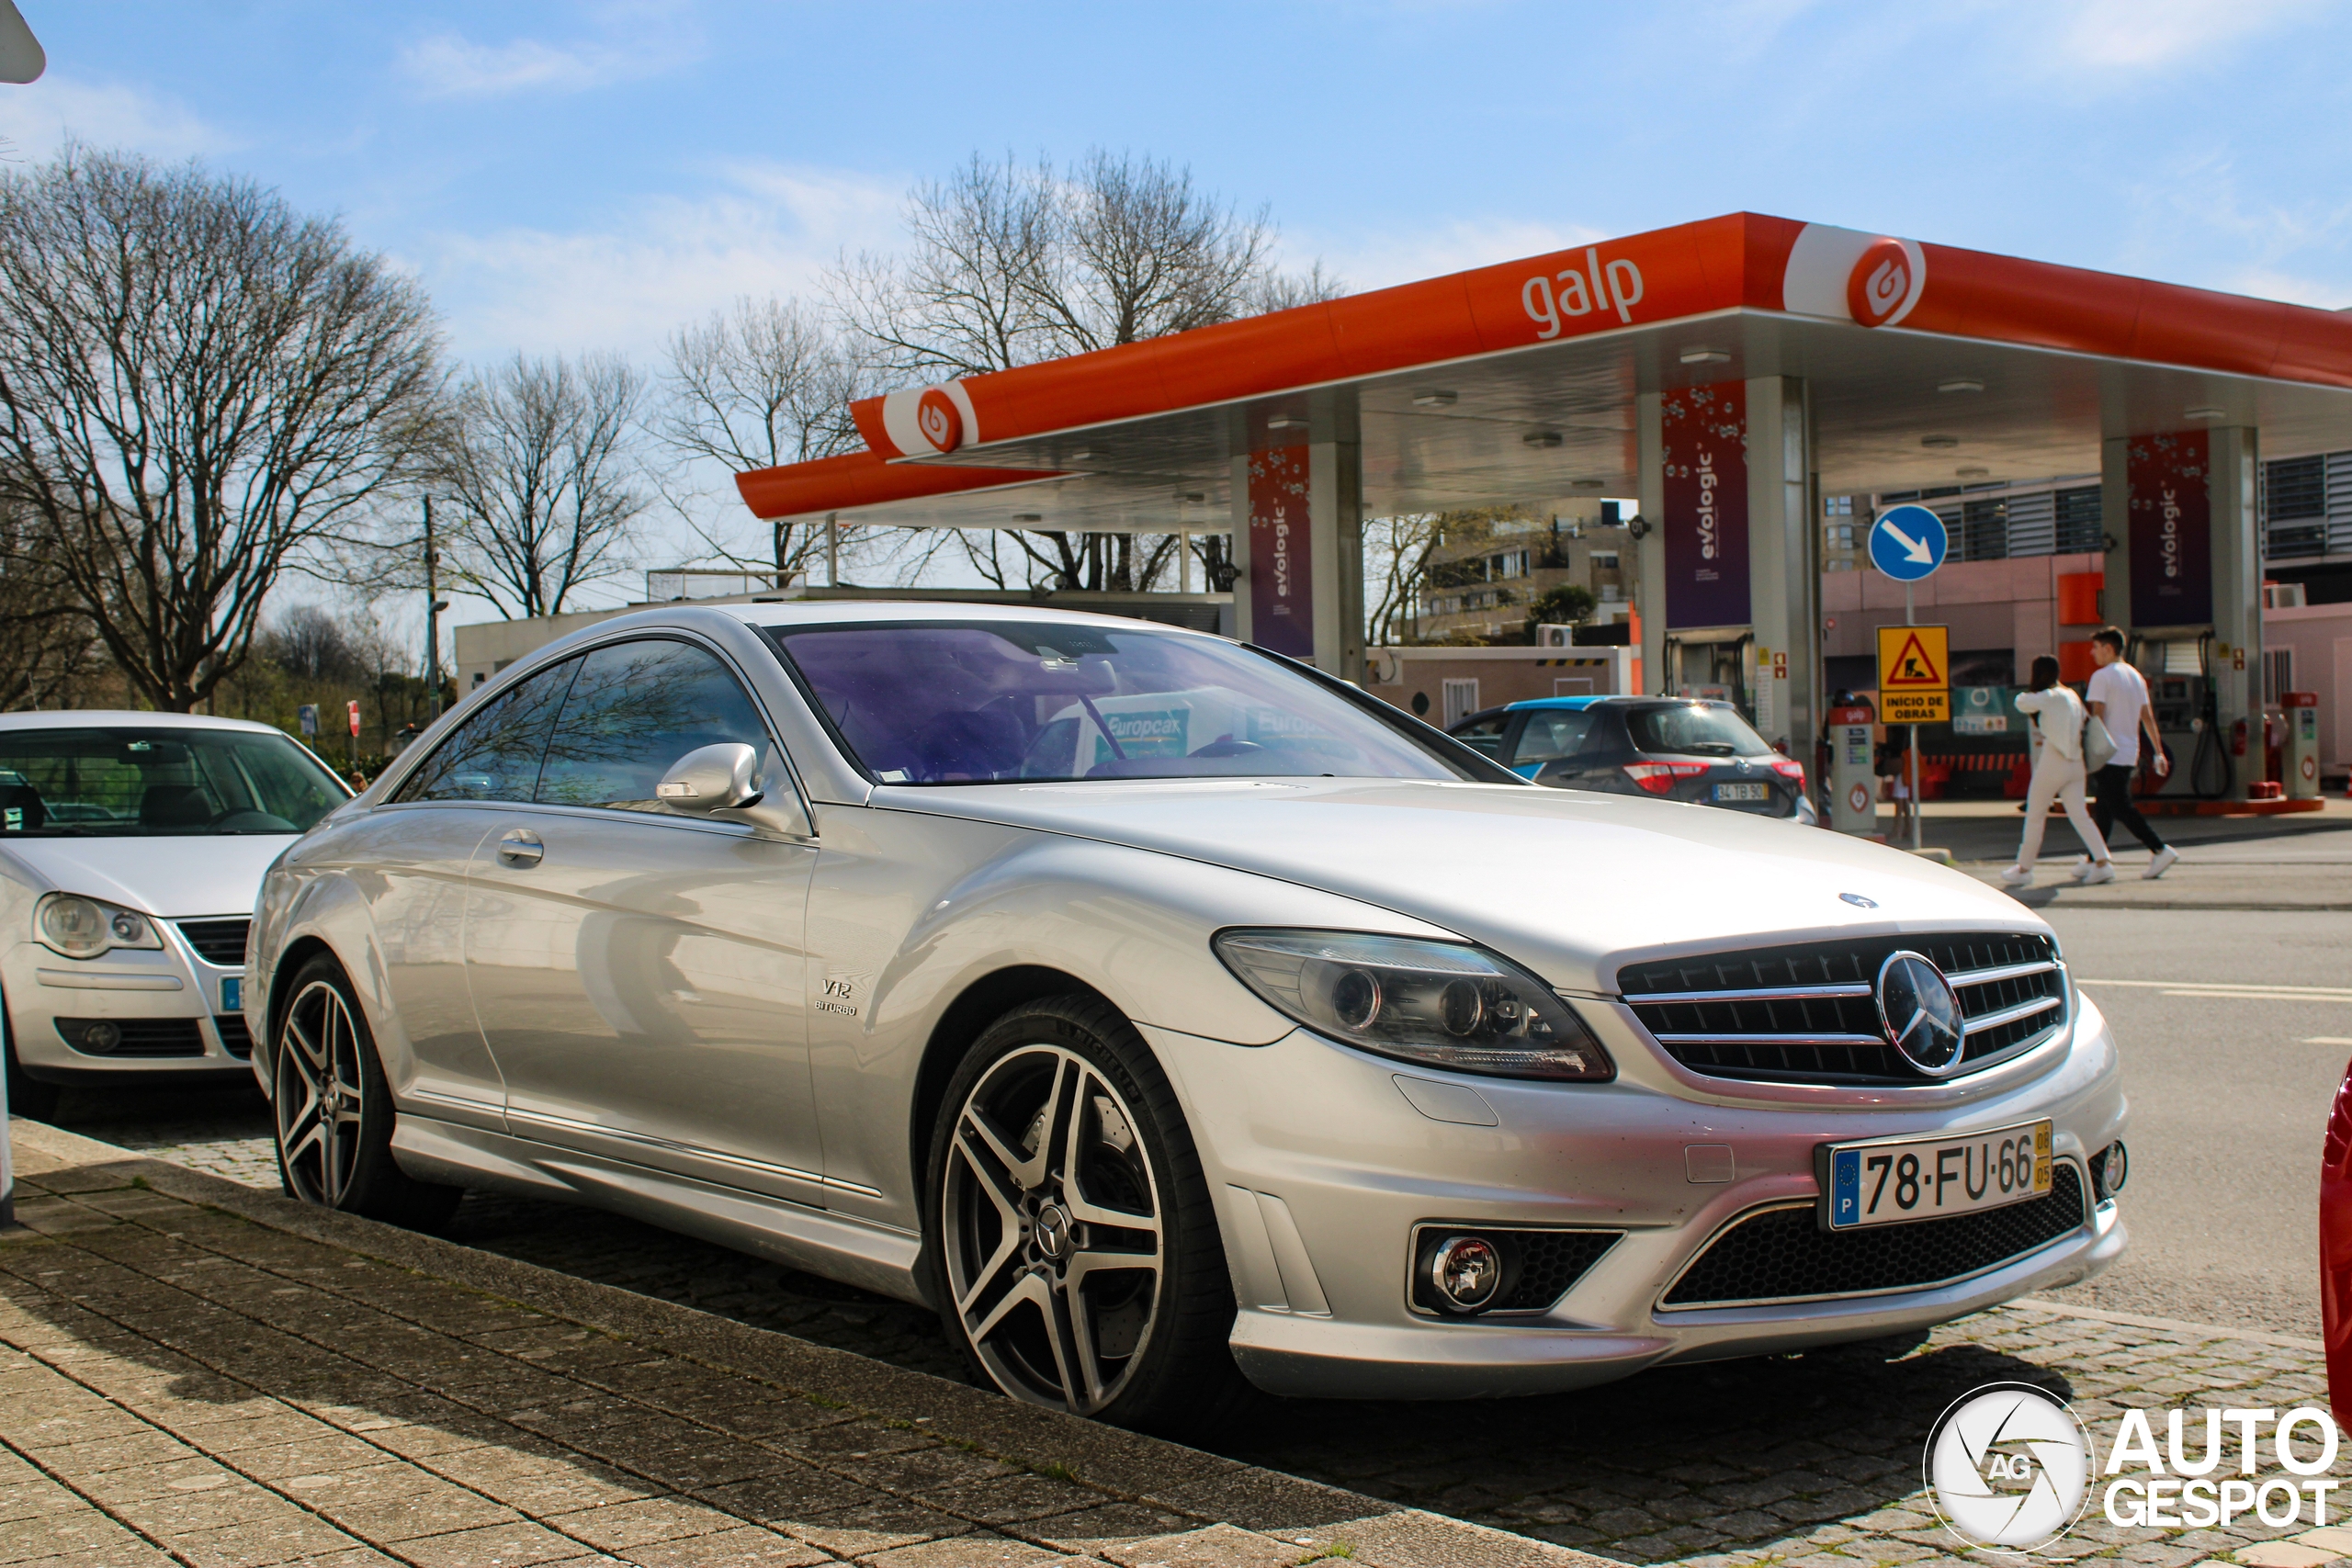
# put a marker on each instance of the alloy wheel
(1052, 1221)
(318, 1095)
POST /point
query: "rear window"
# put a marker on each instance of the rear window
(1694, 729)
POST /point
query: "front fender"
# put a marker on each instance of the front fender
(909, 913)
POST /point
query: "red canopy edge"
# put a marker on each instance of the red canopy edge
(860, 479)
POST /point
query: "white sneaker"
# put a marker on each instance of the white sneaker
(2083, 867)
(2103, 872)
(2016, 876)
(2160, 862)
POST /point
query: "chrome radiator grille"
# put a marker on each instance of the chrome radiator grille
(1807, 1013)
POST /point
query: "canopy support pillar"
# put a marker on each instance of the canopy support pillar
(1299, 540)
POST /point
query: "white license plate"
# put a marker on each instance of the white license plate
(1891, 1180)
(1743, 791)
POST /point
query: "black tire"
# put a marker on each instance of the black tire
(333, 1110)
(27, 1097)
(1022, 1257)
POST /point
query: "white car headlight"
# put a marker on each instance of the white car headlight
(1442, 1004)
(85, 928)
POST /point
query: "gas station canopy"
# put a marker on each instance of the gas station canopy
(1728, 372)
(1455, 387)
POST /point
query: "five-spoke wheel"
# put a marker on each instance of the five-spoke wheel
(1077, 1253)
(319, 1093)
(1054, 1247)
(333, 1110)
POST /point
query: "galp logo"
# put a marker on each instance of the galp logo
(1885, 282)
(940, 423)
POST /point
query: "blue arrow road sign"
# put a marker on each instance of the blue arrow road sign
(1908, 542)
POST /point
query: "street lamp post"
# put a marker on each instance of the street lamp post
(433, 605)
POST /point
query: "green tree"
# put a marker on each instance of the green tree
(1563, 604)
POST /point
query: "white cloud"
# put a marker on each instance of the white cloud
(1376, 261)
(39, 118)
(663, 263)
(634, 42)
(2267, 283)
(2150, 34)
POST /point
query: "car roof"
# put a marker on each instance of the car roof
(1572, 703)
(787, 614)
(108, 718)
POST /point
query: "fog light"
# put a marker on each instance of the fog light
(1467, 1269)
(2114, 1170)
(101, 1037)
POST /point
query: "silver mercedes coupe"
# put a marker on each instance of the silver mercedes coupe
(1170, 1017)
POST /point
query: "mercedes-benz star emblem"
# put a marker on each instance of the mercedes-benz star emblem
(1053, 1231)
(1920, 1013)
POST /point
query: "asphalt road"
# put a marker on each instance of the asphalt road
(2231, 1063)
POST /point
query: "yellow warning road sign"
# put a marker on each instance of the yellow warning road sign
(1914, 675)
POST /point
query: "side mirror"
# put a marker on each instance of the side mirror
(724, 782)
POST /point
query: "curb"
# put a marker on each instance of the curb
(1126, 1466)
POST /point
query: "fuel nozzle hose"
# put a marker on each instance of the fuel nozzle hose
(2211, 756)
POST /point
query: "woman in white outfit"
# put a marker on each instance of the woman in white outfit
(2057, 717)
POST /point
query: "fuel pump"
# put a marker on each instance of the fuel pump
(2186, 710)
(1853, 794)
(2301, 709)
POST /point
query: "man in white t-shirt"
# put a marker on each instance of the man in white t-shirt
(2119, 697)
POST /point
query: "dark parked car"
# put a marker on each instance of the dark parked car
(1672, 748)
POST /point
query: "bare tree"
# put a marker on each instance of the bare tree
(962, 299)
(1010, 264)
(542, 481)
(763, 383)
(198, 385)
(49, 650)
(1397, 552)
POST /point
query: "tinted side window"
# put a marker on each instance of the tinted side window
(635, 710)
(495, 754)
(1553, 734)
(1486, 734)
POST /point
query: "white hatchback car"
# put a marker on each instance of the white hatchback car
(131, 850)
(1167, 1014)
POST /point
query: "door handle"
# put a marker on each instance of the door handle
(520, 846)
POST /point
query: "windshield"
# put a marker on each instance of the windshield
(1694, 729)
(124, 781)
(944, 703)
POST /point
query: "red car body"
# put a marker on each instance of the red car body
(2336, 1250)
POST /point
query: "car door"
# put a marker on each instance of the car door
(639, 973)
(409, 859)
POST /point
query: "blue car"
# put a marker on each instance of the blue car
(1672, 748)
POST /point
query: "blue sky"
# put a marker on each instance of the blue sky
(579, 177)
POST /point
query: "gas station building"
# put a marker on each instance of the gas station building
(2101, 448)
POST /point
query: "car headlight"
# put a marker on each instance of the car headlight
(85, 928)
(1444, 1004)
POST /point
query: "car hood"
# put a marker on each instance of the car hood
(1566, 881)
(174, 877)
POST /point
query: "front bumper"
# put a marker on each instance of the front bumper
(169, 1007)
(1322, 1168)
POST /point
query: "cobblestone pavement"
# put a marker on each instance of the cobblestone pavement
(183, 1382)
(1810, 1461)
